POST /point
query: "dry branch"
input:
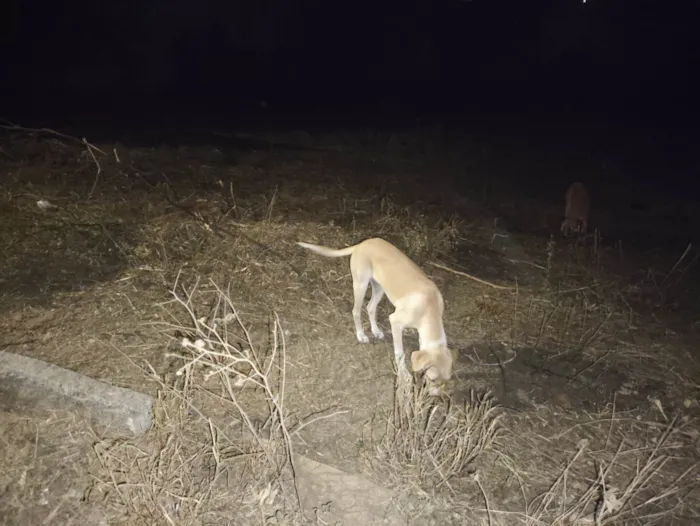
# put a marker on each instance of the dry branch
(200, 463)
(479, 280)
(89, 147)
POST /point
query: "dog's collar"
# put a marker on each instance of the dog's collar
(433, 344)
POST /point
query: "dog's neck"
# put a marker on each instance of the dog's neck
(429, 340)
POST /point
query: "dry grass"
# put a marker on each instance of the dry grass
(35, 467)
(430, 442)
(642, 497)
(226, 424)
(641, 473)
(194, 466)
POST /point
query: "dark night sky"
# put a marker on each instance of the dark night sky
(630, 60)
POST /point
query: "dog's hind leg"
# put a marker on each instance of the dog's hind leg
(377, 295)
(359, 287)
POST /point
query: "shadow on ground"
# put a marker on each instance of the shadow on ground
(41, 260)
(568, 379)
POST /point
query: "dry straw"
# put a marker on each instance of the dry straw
(433, 441)
(197, 467)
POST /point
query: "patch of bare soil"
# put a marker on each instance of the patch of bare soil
(173, 271)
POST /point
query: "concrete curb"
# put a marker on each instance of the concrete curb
(24, 379)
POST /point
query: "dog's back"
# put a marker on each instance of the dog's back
(393, 269)
(577, 209)
(389, 266)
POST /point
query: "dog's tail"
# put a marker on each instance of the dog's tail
(328, 252)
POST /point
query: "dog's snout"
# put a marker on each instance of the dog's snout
(432, 374)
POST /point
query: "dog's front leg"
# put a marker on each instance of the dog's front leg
(397, 326)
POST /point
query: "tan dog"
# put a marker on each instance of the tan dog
(417, 300)
(578, 206)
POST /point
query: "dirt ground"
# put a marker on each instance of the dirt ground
(589, 350)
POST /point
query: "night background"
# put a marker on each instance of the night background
(158, 161)
(623, 65)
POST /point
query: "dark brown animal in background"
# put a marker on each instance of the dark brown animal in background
(577, 209)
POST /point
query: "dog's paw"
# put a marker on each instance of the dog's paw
(403, 372)
(378, 334)
(362, 337)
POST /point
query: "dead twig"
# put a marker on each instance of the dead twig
(675, 266)
(460, 273)
(11, 126)
(91, 153)
(90, 148)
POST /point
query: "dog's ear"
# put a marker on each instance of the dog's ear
(443, 365)
(435, 365)
(420, 361)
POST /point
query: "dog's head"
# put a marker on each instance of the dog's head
(435, 364)
(571, 225)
